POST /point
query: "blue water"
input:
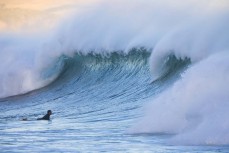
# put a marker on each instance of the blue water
(95, 100)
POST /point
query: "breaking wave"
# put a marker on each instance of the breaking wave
(183, 65)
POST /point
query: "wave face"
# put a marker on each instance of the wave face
(99, 67)
(106, 76)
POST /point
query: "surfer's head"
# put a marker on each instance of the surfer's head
(49, 112)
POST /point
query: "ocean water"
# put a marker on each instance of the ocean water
(93, 107)
(152, 79)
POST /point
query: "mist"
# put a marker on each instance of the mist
(195, 109)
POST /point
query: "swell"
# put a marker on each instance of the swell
(81, 71)
(115, 66)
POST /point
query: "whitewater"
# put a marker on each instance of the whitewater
(119, 76)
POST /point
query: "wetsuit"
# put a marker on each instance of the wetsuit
(46, 117)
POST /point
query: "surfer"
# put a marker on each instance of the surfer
(47, 116)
